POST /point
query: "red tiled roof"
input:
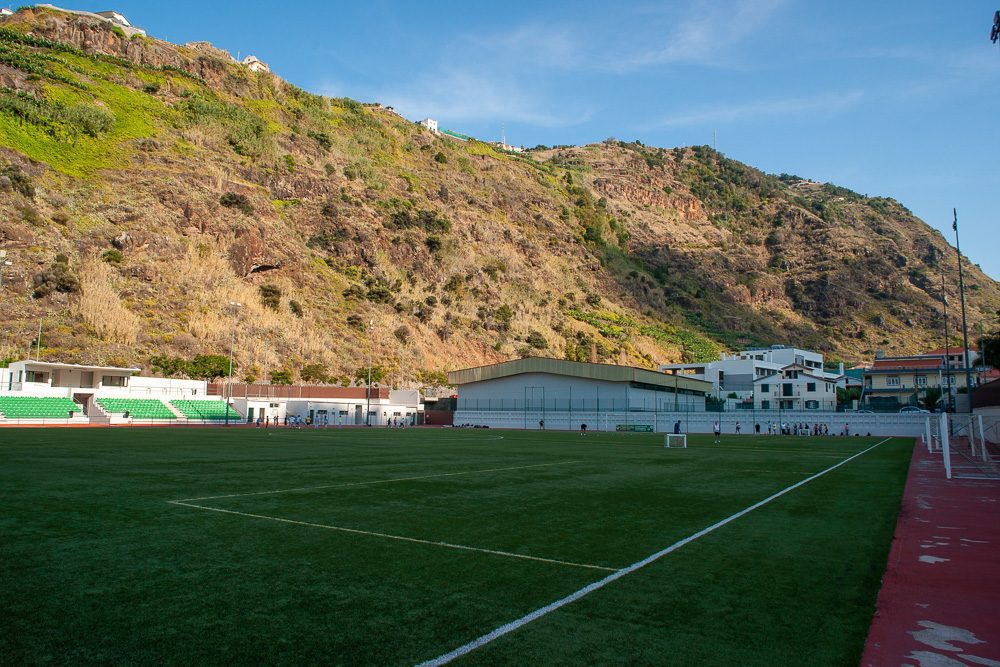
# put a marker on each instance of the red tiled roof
(955, 350)
(904, 364)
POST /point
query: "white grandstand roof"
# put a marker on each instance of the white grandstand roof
(86, 367)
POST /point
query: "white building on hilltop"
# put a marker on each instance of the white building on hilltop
(255, 64)
(430, 124)
(116, 19)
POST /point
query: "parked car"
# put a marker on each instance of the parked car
(913, 408)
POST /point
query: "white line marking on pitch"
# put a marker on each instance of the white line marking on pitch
(826, 453)
(615, 576)
(447, 545)
(378, 481)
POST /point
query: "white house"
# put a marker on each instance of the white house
(430, 124)
(736, 373)
(795, 387)
(116, 19)
(254, 64)
(5, 12)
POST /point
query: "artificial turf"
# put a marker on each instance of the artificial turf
(98, 566)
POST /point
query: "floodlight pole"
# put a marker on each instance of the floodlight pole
(368, 393)
(947, 349)
(965, 327)
(232, 345)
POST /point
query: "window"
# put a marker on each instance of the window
(765, 405)
(787, 389)
(812, 405)
(921, 380)
(35, 376)
(810, 386)
(765, 388)
(892, 381)
(113, 380)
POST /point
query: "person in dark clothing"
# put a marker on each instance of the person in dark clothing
(677, 427)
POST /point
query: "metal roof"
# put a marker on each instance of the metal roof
(605, 372)
(53, 364)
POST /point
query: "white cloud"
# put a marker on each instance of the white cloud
(457, 94)
(706, 33)
(825, 105)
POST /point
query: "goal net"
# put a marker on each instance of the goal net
(675, 440)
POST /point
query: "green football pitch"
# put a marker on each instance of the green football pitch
(205, 546)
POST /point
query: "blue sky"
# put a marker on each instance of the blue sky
(896, 99)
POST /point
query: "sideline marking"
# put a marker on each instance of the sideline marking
(827, 453)
(378, 481)
(447, 545)
(586, 590)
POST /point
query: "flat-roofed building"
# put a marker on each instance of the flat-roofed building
(556, 390)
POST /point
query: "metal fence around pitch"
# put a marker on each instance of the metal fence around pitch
(970, 453)
(772, 421)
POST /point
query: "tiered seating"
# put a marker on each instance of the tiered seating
(33, 407)
(138, 408)
(204, 409)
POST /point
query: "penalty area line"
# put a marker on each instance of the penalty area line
(401, 538)
(377, 481)
(615, 576)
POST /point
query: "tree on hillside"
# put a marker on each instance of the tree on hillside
(313, 373)
(989, 347)
(283, 377)
(208, 367)
(378, 374)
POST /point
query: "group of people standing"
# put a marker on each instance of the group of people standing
(293, 421)
(799, 428)
(775, 428)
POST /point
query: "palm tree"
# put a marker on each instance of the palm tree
(932, 396)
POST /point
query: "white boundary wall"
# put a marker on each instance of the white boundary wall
(907, 424)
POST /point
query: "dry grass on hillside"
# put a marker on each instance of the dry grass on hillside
(100, 305)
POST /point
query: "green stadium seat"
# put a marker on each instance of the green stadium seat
(204, 410)
(34, 407)
(138, 408)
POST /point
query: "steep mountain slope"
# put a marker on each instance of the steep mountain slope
(146, 186)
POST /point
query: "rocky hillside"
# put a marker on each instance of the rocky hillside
(145, 186)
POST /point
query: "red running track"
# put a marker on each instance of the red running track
(940, 600)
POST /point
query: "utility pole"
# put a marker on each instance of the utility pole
(965, 327)
(368, 394)
(38, 343)
(947, 350)
(232, 344)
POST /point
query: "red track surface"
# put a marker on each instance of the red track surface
(940, 600)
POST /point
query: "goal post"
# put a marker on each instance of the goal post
(675, 440)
